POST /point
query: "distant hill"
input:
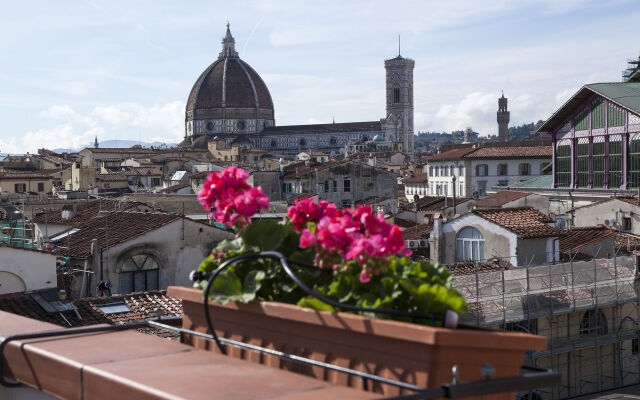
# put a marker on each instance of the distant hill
(124, 144)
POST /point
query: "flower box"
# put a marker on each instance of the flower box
(416, 354)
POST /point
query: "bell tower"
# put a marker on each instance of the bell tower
(399, 77)
(503, 119)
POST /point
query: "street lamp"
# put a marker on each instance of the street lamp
(453, 178)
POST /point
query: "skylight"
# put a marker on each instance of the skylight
(114, 308)
(64, 235)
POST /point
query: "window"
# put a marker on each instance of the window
(347, 185)
(545, 168)
(40, 187)
(155, 182)
(528, 326)
(139, 273)
(563, 159)
(482, 188)
(302, 142)
(615, 116)
(460, 170)
(503, 169)
(615, 161)
(593, 323)
(274, 143)
(335, 186)
(430, 171)
(20, 188)
(396, 95)
(346, 203)
(469, 245)
(626, 223)
(107, 185)
(598, 162)
(597, 114)
(583, 162)
(634, 161)
(114, 308)
(326, 186)
(582, 120)
(524, 169)
(366, 182)
(482, 170)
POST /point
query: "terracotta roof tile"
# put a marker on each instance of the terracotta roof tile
(111, 177)
(577, 238)
(142, 171)
(433, 203)
(142, 305)
(86, 210)
(417, 232)
(501, 198)
(453, 154)
(525, 222)
(420, 178)
(511, 152)
(175, 188)
(122, 226)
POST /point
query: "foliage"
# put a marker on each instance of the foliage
(359, 259)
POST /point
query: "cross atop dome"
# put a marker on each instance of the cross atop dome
(228, 45)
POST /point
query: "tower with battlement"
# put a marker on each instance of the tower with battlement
(503, 119)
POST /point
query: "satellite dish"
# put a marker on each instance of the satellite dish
(475, 194)
(560, 223)
(608, 223)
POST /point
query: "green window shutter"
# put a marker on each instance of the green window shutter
(597, 114)
(615, 116)
(582, 120)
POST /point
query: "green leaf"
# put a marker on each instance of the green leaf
(226, 284)
(341, 288)
(312, 302)
(265, 235)
(253, 281)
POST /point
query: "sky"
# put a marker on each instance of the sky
(118, 70)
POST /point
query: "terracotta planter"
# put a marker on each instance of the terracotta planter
(415, 354)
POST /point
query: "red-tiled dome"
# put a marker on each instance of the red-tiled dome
(229, 83)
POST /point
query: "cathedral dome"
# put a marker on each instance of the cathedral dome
(230, 89)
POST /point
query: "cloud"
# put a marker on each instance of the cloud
(60, 136)
(66, 113)
(73, 129)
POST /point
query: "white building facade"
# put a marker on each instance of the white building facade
(477, 170)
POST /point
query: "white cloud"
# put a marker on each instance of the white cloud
(66, 113)
(60, 136)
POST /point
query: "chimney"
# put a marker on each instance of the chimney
(435, 240)
(68, 211)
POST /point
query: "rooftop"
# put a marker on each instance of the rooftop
(501, 198)
(525, 222)
(420, 178)
(577, 238)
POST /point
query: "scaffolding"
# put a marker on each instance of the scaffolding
(587, 308)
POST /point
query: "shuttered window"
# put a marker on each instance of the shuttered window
(597, 114)
(615, 116)
(598, 162)
(583, 162)
(615, 161)
(634, 162)
(582, 120)
(563, 159)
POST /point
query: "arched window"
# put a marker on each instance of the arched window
(396, 95)
(593, 323)
(139, 273)
(469, 245)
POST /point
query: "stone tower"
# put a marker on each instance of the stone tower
(399, 73)
(503, 118)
